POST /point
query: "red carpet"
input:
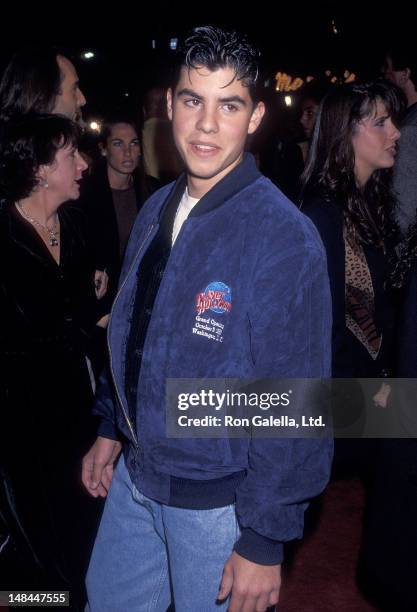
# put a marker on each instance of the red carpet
(321, 575)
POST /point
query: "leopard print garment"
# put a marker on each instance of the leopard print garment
(359, 299)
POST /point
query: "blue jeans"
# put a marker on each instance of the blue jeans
(147, 554)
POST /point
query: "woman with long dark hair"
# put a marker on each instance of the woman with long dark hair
(346, 192)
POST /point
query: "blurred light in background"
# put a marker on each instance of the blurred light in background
(95, 126)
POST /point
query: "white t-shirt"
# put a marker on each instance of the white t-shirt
(184, 208)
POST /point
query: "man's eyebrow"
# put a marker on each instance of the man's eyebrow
(189, 92)
(226, 100)
(230, 99)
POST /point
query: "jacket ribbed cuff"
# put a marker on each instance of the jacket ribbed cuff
(259, 549)
(106, 429)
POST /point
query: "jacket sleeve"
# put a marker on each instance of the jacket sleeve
(405, 179)
(104, 407)
(328, 221)
(290, 327)
(407, 332)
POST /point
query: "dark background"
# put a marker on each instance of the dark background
(295, 37)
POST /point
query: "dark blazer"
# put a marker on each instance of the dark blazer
(48, 315)
(404, 177)
(350, 358)
(97, 202)
(389, 544)
(45, 307)
(407, 337)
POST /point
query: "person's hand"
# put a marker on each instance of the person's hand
(101, 280)
(97, 468)
(253, 587)
(103, 322)
(381, 398)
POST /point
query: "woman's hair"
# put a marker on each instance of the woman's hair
(330, 168)
(30, 83)
(109, 122)
(26, 143)
(314, 90)
(139, 172)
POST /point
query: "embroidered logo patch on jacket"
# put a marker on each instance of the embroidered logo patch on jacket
(217, 298)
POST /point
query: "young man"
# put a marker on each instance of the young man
(186, 515)
(401, 69)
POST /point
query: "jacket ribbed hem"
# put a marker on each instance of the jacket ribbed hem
(204, 494)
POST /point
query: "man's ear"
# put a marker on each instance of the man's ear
(169, 103)
(103, 151)
(256, 118)
(403, 76)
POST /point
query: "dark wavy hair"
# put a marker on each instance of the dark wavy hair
(403, 55)
(113, 120)
(139, 172)
(26, 144)
(30, 82)
(213, 48)
(368, 211)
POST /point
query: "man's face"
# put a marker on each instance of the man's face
(395, 76)
(70, 98)
(212, 113)
(309, 110)
(122, 149)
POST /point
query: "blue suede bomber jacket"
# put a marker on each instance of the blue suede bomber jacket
(245, 237)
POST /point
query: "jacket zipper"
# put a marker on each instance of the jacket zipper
(129, 424)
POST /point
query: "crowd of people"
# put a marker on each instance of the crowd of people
(309, 275)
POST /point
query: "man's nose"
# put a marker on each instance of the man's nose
(80, 98)
(207, 121)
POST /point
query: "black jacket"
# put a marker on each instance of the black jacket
(97, 202)
(350, 359)
(44, 307)
(48, 315)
